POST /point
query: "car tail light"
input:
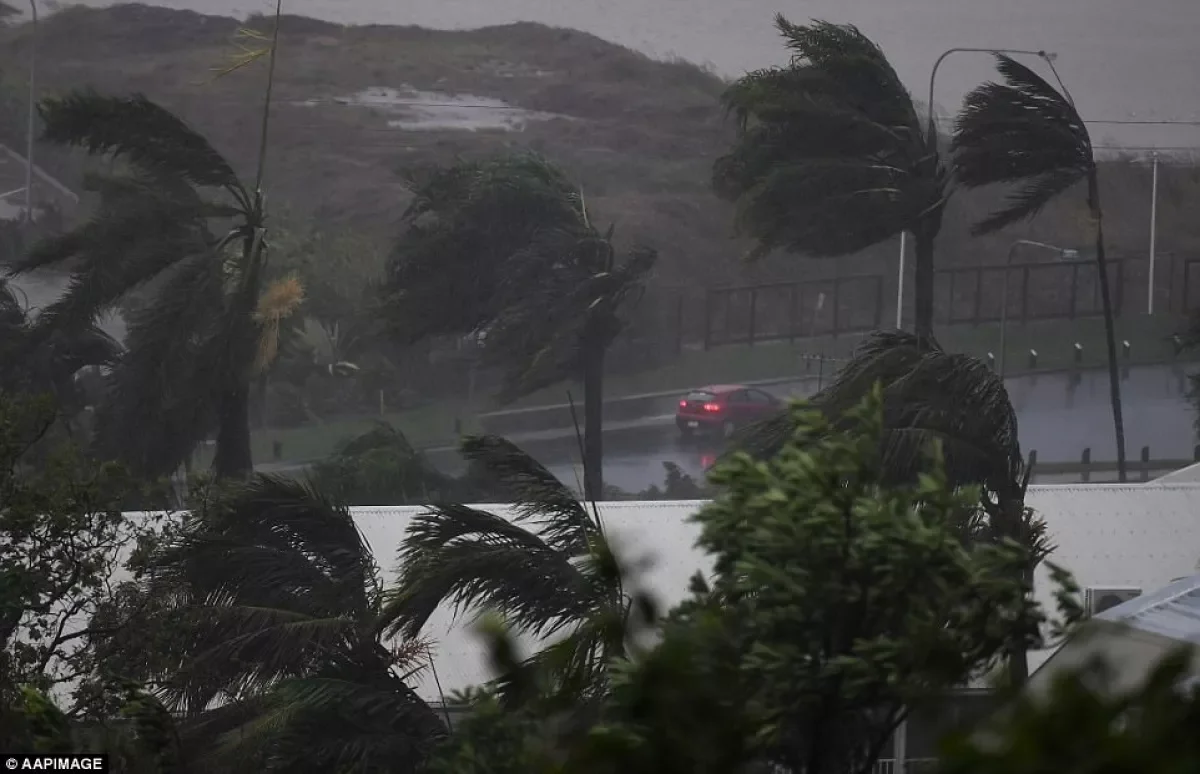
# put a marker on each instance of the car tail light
(683, 404)
(712, 406)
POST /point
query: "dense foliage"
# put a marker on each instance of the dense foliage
(837, 603)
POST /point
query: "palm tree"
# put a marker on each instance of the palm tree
(272, 650)
(547, 573)
(929, 396)
(1026, 131)
(504, 249)
(932, 397)
(192, 348)
(831, 156)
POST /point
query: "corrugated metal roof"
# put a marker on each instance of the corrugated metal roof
(1173, 611)
(1107, 535)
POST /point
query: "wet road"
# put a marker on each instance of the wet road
(1059, 416)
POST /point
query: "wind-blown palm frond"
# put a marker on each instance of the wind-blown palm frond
(319, 724)
(536, 495)
(831, 155)
(569, 302)
(279, 575)
(460, 229)
(471, 558)
(929, 396)
(277, 601)
(543, 572)
(169, 345)
(40, 361)
(141, 131)
(1023, 130)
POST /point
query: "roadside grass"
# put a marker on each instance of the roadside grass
(426, 426)
(434, 425)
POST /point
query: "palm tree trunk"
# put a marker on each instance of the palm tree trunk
(1110, 336)
(1018, 654)
(593, 422)
(262, 401)
(233, 458)
(923, 284)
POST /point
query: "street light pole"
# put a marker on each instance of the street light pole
(32, 110)
(900, 282)
(931, 125)
(1153, 234)
(1012, 252)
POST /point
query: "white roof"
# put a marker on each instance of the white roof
(1107, 535)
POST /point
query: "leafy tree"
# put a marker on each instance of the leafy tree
(275, 602)
(542, 572)
(932, 396)
(504, 249)
(677, 486)
(381, 466)
(1082, 725)
(1026, 131)
(831, 157)
(63, 539)
(854, 600)
(839, 601)
(139, 736)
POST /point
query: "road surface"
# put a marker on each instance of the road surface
(1059, 416)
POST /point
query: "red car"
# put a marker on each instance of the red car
(723, 408)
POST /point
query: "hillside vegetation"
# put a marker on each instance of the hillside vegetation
(640, 133)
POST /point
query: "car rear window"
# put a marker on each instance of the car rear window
(700, 395)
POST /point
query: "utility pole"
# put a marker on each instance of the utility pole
(32, 111)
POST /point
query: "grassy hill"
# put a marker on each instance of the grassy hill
(640, 134)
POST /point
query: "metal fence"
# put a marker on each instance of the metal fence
(1036, 291)
(791, 310)
(673, 319)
